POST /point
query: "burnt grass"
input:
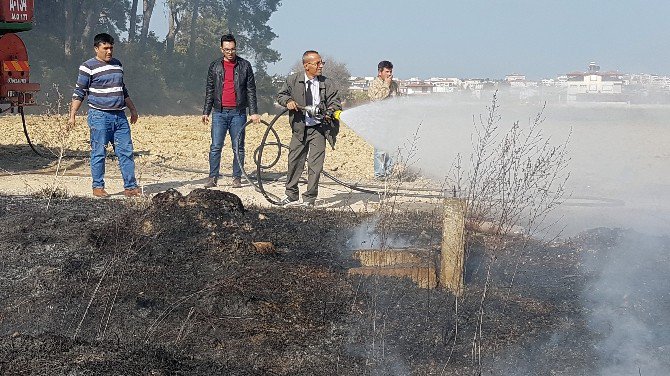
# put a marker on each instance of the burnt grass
(174, 286)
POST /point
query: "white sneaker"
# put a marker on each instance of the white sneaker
(287, 201)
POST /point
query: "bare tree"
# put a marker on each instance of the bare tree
(89, 24)
(132, 31)
(194, 30)
(69, 18)
(146, 19)
(174, 24)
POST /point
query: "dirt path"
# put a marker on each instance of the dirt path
(172, 153)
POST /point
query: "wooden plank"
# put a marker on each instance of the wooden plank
(387, 257)
(423, 276)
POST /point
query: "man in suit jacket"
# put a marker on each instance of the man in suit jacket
(309, 134)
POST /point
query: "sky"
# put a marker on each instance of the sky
(466, 39)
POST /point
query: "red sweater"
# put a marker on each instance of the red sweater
(228, 96)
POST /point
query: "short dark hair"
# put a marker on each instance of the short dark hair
(228, 38)
(308, 52)
(103, 38)
(384, 64)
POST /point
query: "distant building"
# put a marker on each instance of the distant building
(594, 85)
(548, 82)
(473, 83)
(445, 85)
(515, 77)
(562, 81)
(516, 80)
(648, 81)
(418, 87)
(359, 83)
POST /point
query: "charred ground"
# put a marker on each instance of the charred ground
(175, 286)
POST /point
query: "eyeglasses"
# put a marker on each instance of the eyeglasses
(318, 63)
(228, 50)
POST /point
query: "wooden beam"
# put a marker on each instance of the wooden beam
(453, 245)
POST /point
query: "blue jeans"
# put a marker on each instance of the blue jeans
(111, 127)
(227, 121)
(383, 163)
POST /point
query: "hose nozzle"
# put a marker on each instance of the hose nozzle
(320, 112)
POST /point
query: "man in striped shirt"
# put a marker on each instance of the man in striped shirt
(101, 79)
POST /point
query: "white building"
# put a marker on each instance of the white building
(515, 77)
(445, 85)
(593, 84)
(473, 84)
(548, 82)
(562, 81)
(359, 83)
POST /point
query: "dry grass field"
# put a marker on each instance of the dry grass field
(183, 141)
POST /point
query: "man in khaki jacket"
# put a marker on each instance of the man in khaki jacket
(383, 87)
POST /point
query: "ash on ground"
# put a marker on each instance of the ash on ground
(175, 286)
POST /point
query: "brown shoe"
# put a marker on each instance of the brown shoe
(100, 192)
(211, 183)
(134, 192)
(237, 183)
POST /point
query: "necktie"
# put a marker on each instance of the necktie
(308, 94)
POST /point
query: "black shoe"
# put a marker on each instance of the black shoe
(287, 201)
(211, 183)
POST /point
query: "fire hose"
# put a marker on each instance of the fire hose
(258, 158)
(258, 155)
(32, 146)
(25, 132)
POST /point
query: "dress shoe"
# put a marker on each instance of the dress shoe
(211, 183)
(237, 183)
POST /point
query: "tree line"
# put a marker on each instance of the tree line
(164, 75)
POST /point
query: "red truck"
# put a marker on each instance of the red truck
(16, 90)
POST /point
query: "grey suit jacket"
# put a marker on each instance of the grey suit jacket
(294, 89)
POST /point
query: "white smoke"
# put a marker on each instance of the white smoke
(620, 178)
(627, 300)
(620, 161)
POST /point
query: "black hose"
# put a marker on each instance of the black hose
(25, 132)
(32, 146)
(274, 200)
(258, 155)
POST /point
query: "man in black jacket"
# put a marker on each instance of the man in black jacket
(230, 90)
(309, 134)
